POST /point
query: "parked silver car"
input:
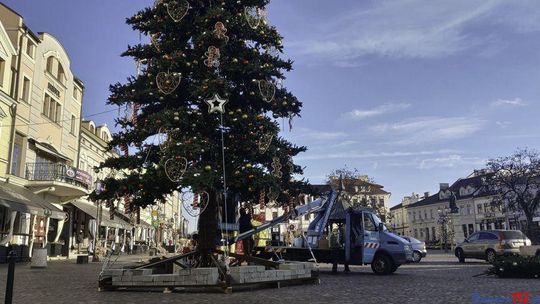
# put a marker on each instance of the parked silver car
(419, 248)
(486, 245)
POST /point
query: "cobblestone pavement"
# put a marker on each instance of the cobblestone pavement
(437, 279)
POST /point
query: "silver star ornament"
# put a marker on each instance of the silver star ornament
(216, 104)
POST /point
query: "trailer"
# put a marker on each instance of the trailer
(366, 241)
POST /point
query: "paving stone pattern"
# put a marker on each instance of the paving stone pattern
(437, 279)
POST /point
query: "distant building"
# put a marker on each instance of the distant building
(399, 220)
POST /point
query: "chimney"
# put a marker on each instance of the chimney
(444, 186)
(426, 194)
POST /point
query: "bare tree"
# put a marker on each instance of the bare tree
(516, 182)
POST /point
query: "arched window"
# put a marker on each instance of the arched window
(50, 63)
(61, 76)
(92, 129)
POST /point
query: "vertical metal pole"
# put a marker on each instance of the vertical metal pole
(10, 277)
(224, 184)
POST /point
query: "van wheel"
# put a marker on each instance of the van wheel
(460, 255)
(490, 256)
(417, 257)
(382, 264)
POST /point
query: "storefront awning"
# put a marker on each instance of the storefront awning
(90, 209)
(20, 199)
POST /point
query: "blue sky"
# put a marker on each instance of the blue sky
(413, 93)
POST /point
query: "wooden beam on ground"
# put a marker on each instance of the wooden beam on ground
(251, 259)
(168, 260)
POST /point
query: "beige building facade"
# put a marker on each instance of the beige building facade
(43, 141)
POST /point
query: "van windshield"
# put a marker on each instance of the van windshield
(377, 220)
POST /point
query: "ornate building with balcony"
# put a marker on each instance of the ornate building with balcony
(43, 141)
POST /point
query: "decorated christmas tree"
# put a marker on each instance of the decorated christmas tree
(203, 113)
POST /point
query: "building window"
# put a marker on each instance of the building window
(50, 63)
(480, 210)
(52, 109)
(60, 76)
(26, 90)
(471, 229)
(416, 233)
(73, 124)
(2, 71)
(46, 105)
(433, 234)
(30, 48)
(75, 93)
(431, 212)
(16, 160)
(274, 215)
(58, 115)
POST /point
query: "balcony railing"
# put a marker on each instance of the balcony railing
(58, 172)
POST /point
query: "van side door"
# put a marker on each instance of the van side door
(371, 238)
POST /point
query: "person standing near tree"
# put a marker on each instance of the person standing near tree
(244, 222)
(341, 231)
(335, 247)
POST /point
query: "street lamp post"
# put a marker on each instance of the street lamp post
(444, 219)
(99, 189)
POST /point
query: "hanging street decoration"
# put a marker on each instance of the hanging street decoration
(276, 166)
(195, 203)
(290, 165)
(167, 82)
(273, 194)
(267, 90)
(264, 142)
(262, 196)
(212, 57)
(175, 168)
(177, 10)
(155, 42)
(216, 104)
(220, 31)
(255, 16)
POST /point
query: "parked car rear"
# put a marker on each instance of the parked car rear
(486, 245)
(419, 248)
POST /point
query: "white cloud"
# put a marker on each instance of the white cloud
(516, 102)
(413, 29)
(379, 110)
(451, 161)
(318, 135)
(369, 155)
(423, 130)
